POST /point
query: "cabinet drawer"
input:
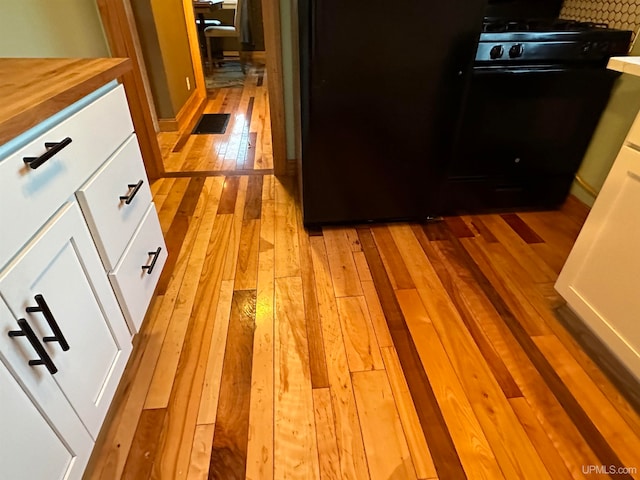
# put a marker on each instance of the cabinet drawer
(113, 220)
(132, 280)
(33, 196)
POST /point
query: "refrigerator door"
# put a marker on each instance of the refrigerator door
(381, 89)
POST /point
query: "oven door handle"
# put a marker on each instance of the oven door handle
(531, 69)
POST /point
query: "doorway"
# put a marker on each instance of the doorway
(262, 100)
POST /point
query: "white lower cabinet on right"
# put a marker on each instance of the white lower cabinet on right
(601, 278)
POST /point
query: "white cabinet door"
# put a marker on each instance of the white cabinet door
(601, 278)
(62, 267)
(30, 447)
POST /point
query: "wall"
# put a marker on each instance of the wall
(621, 14)
(51, 28)
(165, 46)
(625, 99)
(290, 65)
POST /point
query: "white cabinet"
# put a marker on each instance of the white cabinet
(35, 449)
(60, 271)
(68, 228)
(601, 279)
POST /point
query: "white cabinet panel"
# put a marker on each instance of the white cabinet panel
(133, 283)
(61, 264)
(29, 197)
(634, 134)
(47, 441)
(601, 279)
(34, 449)
(113, 220)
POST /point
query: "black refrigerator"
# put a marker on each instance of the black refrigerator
(381, 86)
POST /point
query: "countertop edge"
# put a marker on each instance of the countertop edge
(630, 65)
(22, 121)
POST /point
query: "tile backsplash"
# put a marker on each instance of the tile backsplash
(622, 14)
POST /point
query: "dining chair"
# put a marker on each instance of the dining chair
(222, 31)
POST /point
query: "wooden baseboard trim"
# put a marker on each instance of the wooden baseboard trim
(168, 124)
(191, 108)
(605, 359)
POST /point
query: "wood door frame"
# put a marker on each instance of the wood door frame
(121, 32)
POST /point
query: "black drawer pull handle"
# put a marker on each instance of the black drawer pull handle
(156, 254)
(44, 358)
(57, 333)
(52, 149)
(136, 186)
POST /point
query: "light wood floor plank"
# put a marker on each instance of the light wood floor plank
(295, 444)
(384, 440)
(261, 410)
(353, 464)
(363, 352)
(287, 248)
(328, 455)
(344, 273)
(378, 319)
(200, 453)
(416, 440)
(362, 267)
(211, 385)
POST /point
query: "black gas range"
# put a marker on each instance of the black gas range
(549, 40)
(535, 95)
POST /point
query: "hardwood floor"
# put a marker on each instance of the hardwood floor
(245, 147)
(393, 351)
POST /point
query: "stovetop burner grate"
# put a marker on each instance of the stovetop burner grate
(543, 25)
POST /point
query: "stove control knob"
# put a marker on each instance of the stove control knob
(496, 52)
(516, 50)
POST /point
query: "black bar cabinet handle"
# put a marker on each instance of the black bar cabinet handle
(52, 149)
(43, 356)
(156, 254)
(136, 186)
(57, 333)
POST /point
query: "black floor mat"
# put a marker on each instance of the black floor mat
(212, 123)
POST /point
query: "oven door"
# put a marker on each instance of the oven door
(523, 134)
(529, 120)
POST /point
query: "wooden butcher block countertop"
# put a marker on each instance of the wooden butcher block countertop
(33, 89)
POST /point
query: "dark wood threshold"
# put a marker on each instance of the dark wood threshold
(219, 173)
